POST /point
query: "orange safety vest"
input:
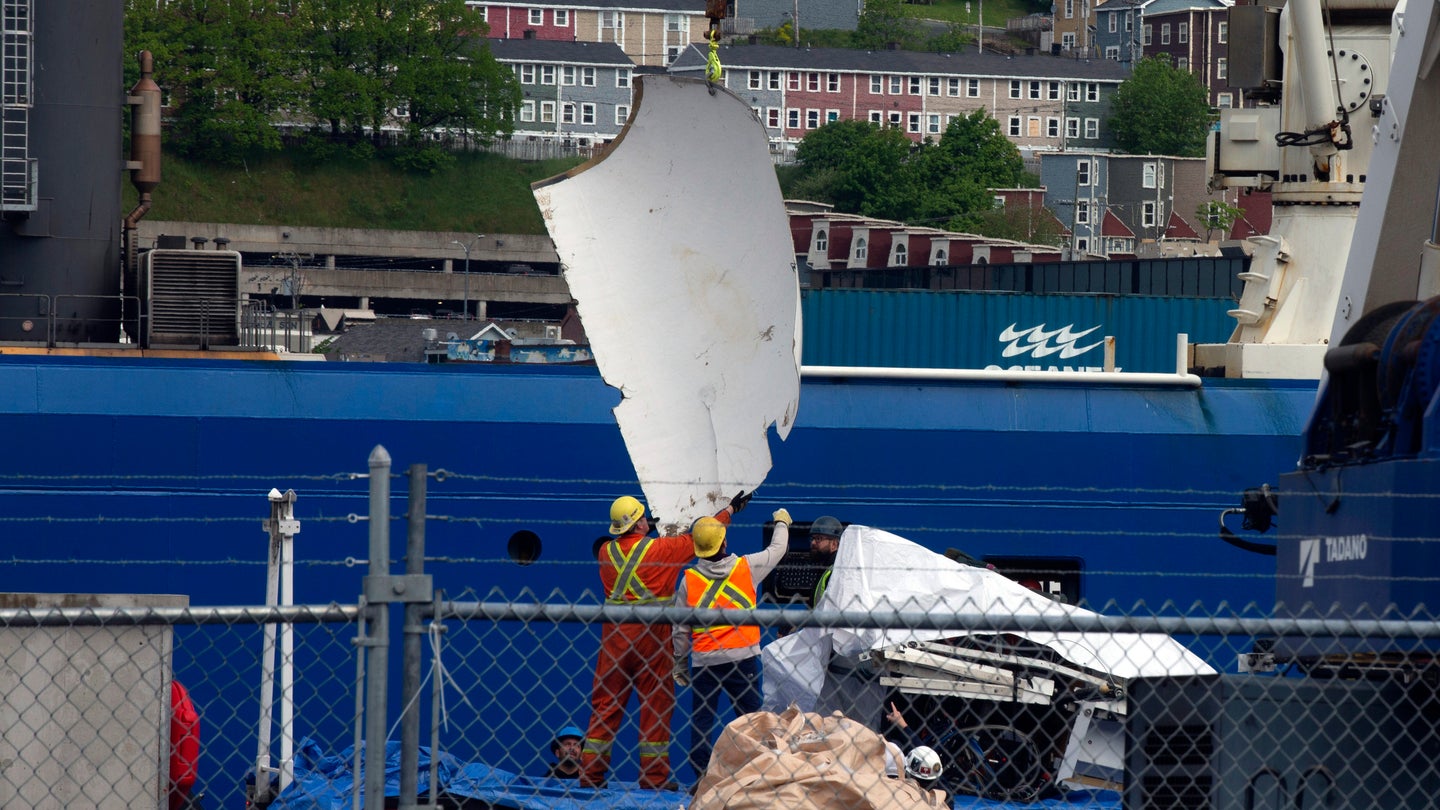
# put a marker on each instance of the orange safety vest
(736, 590)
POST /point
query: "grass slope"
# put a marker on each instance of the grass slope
(481, 193)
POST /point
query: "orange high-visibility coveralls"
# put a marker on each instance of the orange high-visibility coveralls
(636, 570)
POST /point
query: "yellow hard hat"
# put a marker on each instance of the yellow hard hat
(624, 513)
(709, 535)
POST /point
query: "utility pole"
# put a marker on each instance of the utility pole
(466, 246)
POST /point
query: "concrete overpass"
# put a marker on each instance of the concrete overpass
(364, 264)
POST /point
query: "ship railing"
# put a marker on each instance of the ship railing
(75, 321)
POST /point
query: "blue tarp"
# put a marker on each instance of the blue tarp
(324, 783)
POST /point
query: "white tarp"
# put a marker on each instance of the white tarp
(677, 249)
(875, 571)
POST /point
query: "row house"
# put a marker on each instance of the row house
(1042, 102)
(1195, 34)
(832, 246)
(749, 16)
(1074, 29)
(1114, 204)
(651, 32)
(572, 90)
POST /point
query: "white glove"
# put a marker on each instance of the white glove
(782, 516)
(681, 672)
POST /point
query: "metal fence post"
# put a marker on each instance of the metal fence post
(414, 632)
(377, 658)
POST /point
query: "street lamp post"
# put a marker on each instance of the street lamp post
(466, 246)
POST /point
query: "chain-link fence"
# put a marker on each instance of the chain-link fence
(919, 678)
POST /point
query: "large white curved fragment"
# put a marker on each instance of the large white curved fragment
(677, 250)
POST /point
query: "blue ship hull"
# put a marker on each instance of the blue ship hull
(117, 468)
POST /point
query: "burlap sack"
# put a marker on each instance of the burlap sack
(799, 760)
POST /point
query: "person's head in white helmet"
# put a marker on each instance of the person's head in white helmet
(923, 765)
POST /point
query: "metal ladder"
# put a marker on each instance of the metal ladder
(18, 184)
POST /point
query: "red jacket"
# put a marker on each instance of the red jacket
(661, 566)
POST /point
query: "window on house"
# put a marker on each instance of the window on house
(915, 85)
(1072, 127)
(1112, 52)
(972, 88)
(1082, 244)
(1165, 33)
(676, 23)
(527, 74)
(1052, 127)
(914, 124)
(1225, 100)
(562, 17)
(622, 77)
(822, 241)
(896, 85)
(1145, 33)
(622, 114)
(537, 16)
(1082, 172)
(934, 85)
(773, 80)
(812, 119)
(547, 112)
(772, 117)
(672, 52)
(877, 118)
(1069, 9)
(932, 124)
(1067, 41)
(756, 80)
(587, 77)
(862, 250)
(831, 116)
(547, 74)
(1114, 22)
(1054, 94)
(1183, 34)
(1222, 68)
(940, 257)
(1014, 88)
(1014, 128)
(1222, 32)
(812, 82)
(1092, 91)
(1032, 126)
(527, 111)
(1147, 175)
(1034, 89)
(1092, 128)
(792, 80)
(1147, 215)
(1072, 91)
(952, 87)
(1129, 21)
(1082, 212)
(567, 113)
(894, 120)
(792, 118)
(901, 255)
(832, 82)
(587, 114)
(567, 75)
(1182, 63)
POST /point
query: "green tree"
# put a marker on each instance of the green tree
(1160, 110)
(973, 155)
(229, 66)
(1217, 215)
(884, 23)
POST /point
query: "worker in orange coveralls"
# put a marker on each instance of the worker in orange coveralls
(636, 569)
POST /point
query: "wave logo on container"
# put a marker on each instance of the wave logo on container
(1040, 343)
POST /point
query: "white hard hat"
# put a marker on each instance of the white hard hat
(893, 757)
(923, 763)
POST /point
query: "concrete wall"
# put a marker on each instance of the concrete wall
(85, 715)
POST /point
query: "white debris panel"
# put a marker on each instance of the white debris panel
(677, 249)
(878, 571)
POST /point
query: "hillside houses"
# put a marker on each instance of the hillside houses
(1041, 102)
(650, 32)
(578, 91)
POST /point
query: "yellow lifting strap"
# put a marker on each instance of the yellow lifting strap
(713, 73)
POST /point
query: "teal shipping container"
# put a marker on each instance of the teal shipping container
(1005, 330)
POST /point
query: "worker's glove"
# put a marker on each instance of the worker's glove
(782, 516)
(681, 671)
(739, 501)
